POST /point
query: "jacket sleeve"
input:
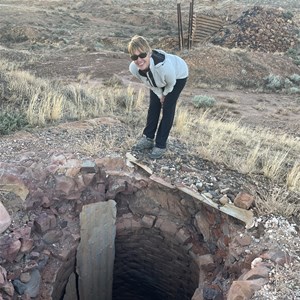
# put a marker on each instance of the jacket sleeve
(157, 91)
(170, 79)
(134, 70)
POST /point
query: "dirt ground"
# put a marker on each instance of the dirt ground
(68, 40)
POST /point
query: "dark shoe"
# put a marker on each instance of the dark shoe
(157, 153)
(143, 143)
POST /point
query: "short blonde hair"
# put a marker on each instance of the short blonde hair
(138, 43)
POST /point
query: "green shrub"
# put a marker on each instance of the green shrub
(294, 54)
(294, 90)
(295, 78)
(11, 121)
(203, 101)
(274, 82)
(287, 15)
(288, 83)
(291, 52)
(297, 61)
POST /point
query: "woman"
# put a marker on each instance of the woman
(166, 75)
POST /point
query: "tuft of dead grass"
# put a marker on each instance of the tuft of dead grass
(293, 177)
(98, 144)
(276, 202)
(181, 122)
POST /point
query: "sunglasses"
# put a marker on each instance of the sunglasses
(141, 55)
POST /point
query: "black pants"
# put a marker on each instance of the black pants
(168, 113)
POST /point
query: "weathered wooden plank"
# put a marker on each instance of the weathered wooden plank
(96, 251)
(230, 209)
(204, 27)
(133, 160)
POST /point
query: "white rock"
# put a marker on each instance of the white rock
(5, 219)
(255, 262)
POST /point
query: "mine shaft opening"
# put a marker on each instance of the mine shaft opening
(115, 233)
(151, 267)
(166, 245)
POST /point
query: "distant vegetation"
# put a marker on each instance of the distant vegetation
(203, 101)
(290, 84)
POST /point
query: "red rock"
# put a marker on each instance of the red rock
(168, 227)
(244, 289)
(44, 222)
(148, 221)
(244, 240)
(277, 256)
(243, 200)
(26, 245)
(255, 273)
(9, 248)
(183, 236)
(198, 294)
(64, 185)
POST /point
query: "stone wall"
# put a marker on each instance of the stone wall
(167, 242)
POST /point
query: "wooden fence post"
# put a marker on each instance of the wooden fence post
(180, 32)
(190, 29)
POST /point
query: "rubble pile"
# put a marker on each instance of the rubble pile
(260, 29)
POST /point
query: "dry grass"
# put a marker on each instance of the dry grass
(293, 177)
(276, 201)
(182, 121)
(273, 163)
(46, 106)
(96, 145)
(241, 148)
(45, 101)
(105, 144)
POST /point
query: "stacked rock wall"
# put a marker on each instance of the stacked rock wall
(162, 233)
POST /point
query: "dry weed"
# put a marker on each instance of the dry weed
(83, 78)
(6, 66)
(140, 98)
(250, 165)
(276, 201)
(98, 144)
(293, 177)
(182, 121)
(273, 164)
(25, 85)
(130, 99)
(244, 149)
(92, 147)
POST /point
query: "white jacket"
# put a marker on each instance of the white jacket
(164, 70)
